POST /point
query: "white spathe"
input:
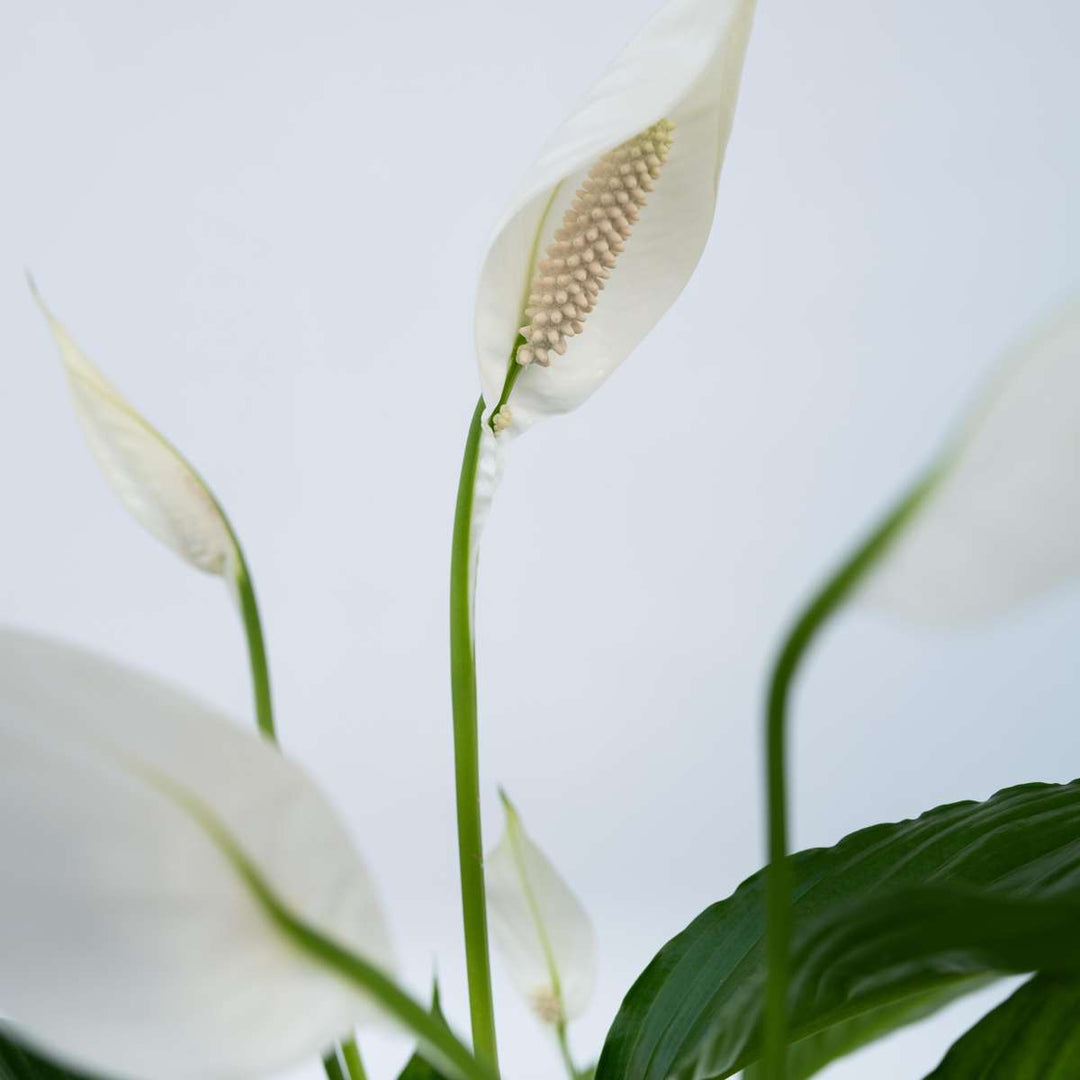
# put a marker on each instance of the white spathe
(129, 944)
(540, 928)
(161, 490)
(684, 66)
(1002, 523)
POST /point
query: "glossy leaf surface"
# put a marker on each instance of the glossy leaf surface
(1033, 1035)
(891, 913)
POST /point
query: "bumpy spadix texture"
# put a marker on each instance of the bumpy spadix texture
(680, 72)
(130, 944)
(595, 229)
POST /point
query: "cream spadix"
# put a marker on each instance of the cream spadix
(160, 489)
(129, 942)
(611, 220)
(1000, 518)
(540, 927)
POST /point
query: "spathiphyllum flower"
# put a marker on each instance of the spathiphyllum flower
(160, 489)
(163, 493)
(145, 840)
(610, 222)
(999, 518)
(992, 522)
(540, 928)
(603, 234)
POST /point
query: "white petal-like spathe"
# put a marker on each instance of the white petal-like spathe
(1003, 521)
(543, 933)
(129, 944)
(685, 67)
(155, 483)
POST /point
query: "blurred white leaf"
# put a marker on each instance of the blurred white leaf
(543, 933)
(130, 942)
(1001, 521)
(155, 483)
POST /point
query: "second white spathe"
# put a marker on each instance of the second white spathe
(152, 479)
(542, 931)
(129, 944)
(1000, 522)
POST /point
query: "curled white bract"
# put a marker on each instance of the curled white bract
(681, 73)
(153, 480)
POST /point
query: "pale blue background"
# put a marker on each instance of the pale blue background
(264, 221)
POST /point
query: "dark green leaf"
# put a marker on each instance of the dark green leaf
(18, 1062)
(892, 912)
(808, 1056)
(416, 1068)
(1034, 1035)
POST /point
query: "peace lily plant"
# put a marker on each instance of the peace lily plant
(183, 903)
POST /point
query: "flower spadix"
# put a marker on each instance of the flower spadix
(543, 933)
(610, 221)
(160, 489)
(132, 942)
(998, 518)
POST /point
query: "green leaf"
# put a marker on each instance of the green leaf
(1034, 1035)
(810, 1055)
(18, 1062)
(892, 913)
(417, 1068)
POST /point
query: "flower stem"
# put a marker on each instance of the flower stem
(260, 671)
(466, 759)
(564, 1050)
(332, 1066)
(513, 370)
(778, 912)
(264, 716)
(351, 1053)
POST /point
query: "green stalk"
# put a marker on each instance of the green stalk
(438, 1042)
(513, 371)
(264, 717)
(564, 1050)
(466, 758)
(332, 1066)
(778, 914)
(260, 671)
(351, 1053)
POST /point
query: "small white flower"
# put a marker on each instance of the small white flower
(130, 943)
(543, 933)
(161, 490)
(1001, 518)
(610, 221)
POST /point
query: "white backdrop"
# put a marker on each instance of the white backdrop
(264, 221)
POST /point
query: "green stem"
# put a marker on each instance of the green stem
(332, 1066)
(564, 1050)
(466, 757)
(438, 1042)
(351, 1052)
(778, 920)
(260, 672)
(513, 370)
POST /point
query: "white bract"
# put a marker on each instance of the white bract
(155, 483)
(611, 220)
(543, 933)
(1001, 522)
(130, 943)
